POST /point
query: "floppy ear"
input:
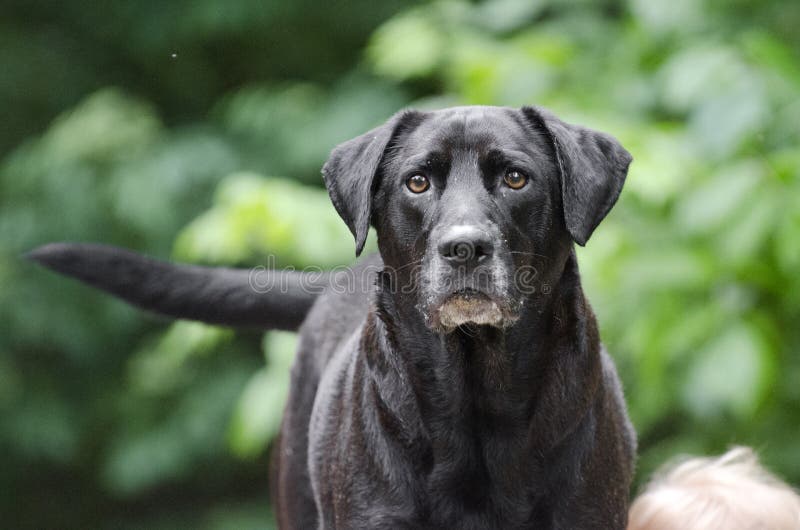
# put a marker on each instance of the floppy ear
(349, 174)
(593, 166)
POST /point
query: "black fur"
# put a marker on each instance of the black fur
(433, 389)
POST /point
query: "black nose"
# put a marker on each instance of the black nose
(465, 245)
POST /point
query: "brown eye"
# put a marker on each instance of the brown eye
(418, 183)
(515, 180)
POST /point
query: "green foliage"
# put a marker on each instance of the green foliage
(420, 53)
(256, 217)
(257, 418)
(213, 156)
(289, 129)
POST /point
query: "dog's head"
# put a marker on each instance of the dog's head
(471, 203)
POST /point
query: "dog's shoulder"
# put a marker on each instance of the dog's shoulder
(340, 310)
(616, 402)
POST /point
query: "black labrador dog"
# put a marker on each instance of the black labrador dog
(457, 380)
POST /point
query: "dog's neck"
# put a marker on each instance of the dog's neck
(469, 377)
(460, 409)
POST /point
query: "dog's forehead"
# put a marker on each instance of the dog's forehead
(474, 129)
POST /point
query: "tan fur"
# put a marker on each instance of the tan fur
(461, 310)
(731, 492)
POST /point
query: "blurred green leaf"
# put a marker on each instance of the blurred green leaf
(159, 367)
(729, 376)
(258, 414)
(191, 431)
(255, 217)
(407, 46)
(709, 205)
(106, 126)
(506, 15)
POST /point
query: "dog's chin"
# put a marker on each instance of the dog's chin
(470, 309)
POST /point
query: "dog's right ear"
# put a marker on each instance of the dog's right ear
(350, 171)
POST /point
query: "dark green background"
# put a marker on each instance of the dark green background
(195, 130)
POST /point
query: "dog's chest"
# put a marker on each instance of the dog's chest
(480, 482)
(456, 480)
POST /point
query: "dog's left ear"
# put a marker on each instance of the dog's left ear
(349, 173)
(593, 166)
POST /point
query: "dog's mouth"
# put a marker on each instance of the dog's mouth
(471, 307)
